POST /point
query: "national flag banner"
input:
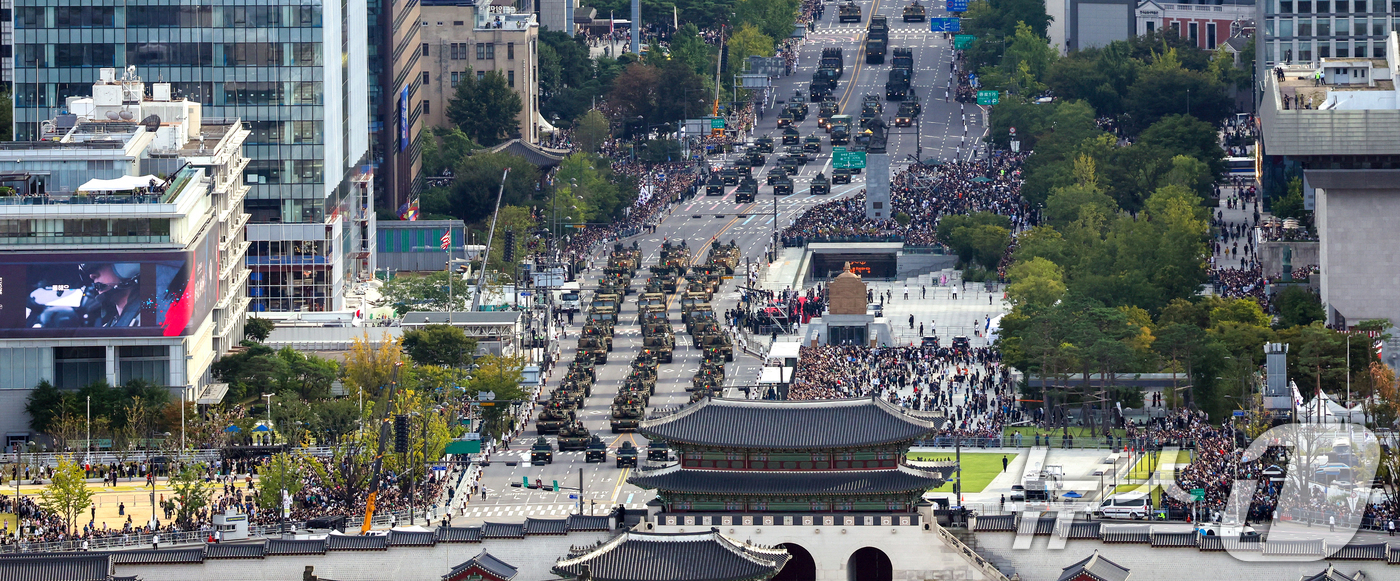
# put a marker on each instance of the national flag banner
(446, 240)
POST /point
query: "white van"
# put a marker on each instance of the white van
(1121, 506)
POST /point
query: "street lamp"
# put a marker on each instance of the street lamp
(268, 397)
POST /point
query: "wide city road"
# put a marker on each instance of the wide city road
(945, 128)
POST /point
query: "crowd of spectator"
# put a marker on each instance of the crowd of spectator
(921, 195)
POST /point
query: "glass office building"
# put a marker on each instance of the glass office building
(294, 72)
(1306, 31)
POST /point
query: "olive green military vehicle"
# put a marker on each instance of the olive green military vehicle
(573, 437)
(542, 452)
(627, 455)
(596, 451)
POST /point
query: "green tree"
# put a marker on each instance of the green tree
(746, 41)
(444, 148)
(258, 328)
(486, 109)
(501, 376)
(281, 472)
(1170, 89)
(1186, 135)
(7, 115)
(1298, 306)
(445, 345)
(67, 494)
(191, 492)
(999, 18)
(477, 183)
(43, 405)
(423, 292)
(1036, 281)
(591, 130)
(774, 18)
(1067, 202)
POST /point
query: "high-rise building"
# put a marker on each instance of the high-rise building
(121, 246)
(295, 73)
(1302, 32)
(464, 37)
(396, 122)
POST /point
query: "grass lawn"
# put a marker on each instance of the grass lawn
(9, 519)
(978, 469)
(1142, 470)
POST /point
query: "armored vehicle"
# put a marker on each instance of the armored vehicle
(714, 186)
(841, 175)
(556, 414)
(825, 110)
(573, 438)
(747, 192)
(627, 414)
(658, 451)
(915, 12)
(849, 12)
(764, 144)
(729, 176)
(812, 144)
(782, 186)
(791, 136)
(820, 185)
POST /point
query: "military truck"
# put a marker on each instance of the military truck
(791, 136)
(658, 451)
(915, 12)
(797, 153)
(627, 455)
(782, 186)
(764, 144)
(908, 111)
(870, 108)
(556, 414)
(849, 12)
(627, 415)
(820, 185)
(832, 58)
(825, 110)
(840, 175)
(840, 129)
(879, 27)
(812, 144)
(573, 437)
(755, 158)
(541, 453)
(595, 451)
(875, 51)
(747, 192)
(715, 185)
(823, 84)
(902, 58)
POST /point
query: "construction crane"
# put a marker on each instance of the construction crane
(384, 423)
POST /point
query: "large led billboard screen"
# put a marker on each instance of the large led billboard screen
(126, 294)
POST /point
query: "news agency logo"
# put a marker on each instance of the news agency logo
(1310, 467)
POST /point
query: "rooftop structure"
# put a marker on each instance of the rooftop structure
(704, 556)
(1332, 126)
(122, 240)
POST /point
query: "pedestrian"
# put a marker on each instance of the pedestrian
(1391, 527)
(1004, 462)
(1003, 502)
(155, 541)
(911, 319)
(1331, 523)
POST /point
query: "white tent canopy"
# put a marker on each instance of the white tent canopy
(121, 184)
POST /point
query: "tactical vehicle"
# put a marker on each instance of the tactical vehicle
(764, 144)
(812, 144)
(541, 453)
(556, 414)
(782, 186)
(775, 174)
(658, 451)
(596, 451)
(627, 455)
(825, 110)
(747, 192)
(715, 185)
(789, 164)
(897, 87)
(791, 136)
(729, 175)
(840, 175)
(832, 58)
(786, 118)
(908, 111)
(755, 158)
(875, 51)
(840, 129)
(627, 414)
(820, 185)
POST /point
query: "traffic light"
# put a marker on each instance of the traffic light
(525, 481)
(556, 486)
(510, 246)
(401, 434)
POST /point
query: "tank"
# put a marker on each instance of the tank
(573, 437)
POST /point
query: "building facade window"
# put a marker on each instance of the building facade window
(425, 49)
(455, 78)
(480, 51)
(426, 77)
(510, 78)
(480, 75)
(510, 50)
(1210, 35)
(426, 108)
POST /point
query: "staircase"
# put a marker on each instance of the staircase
(970, 540)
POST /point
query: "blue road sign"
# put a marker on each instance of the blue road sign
(945, 24)
(956, 5)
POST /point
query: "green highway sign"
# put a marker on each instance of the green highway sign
(1198, 494)
(962, 41)
(988, 97)
(716, 123)
(842, 159)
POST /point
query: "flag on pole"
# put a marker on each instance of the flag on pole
(446, 240)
